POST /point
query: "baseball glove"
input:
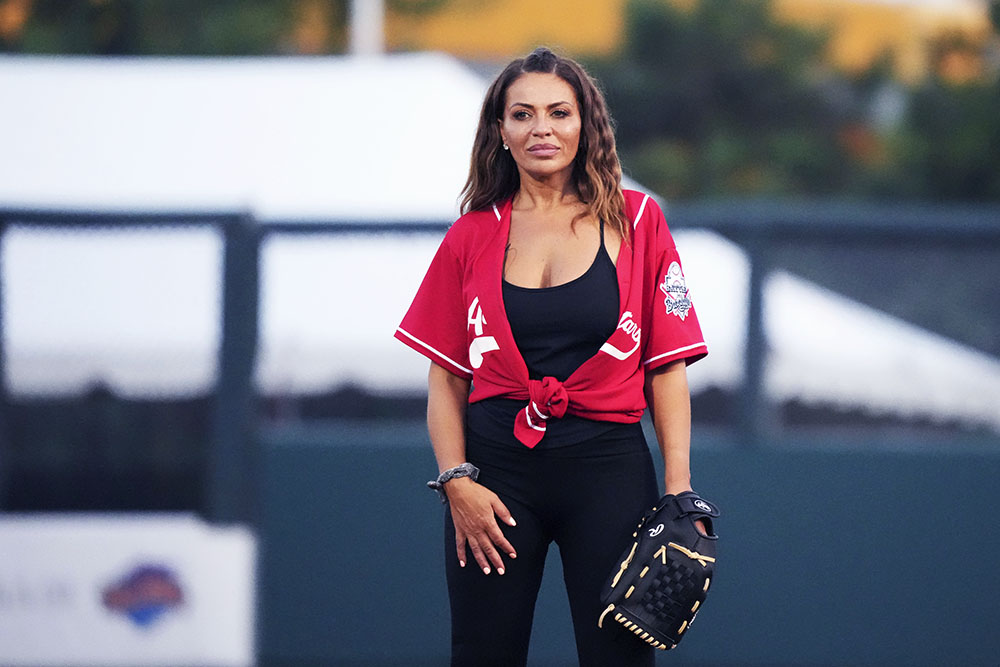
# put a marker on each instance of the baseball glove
(665, 573)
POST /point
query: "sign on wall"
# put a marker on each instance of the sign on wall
(125, 590)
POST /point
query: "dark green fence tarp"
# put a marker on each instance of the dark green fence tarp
(857, 556)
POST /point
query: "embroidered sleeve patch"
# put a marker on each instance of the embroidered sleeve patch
(677, 301)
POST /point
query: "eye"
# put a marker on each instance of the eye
(520, 115)
(560, 113)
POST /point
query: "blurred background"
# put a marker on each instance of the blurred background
(213, 216)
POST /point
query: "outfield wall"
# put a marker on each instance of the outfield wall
(827, 557)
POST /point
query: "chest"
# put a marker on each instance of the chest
(546, 252)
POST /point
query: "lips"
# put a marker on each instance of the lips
(543, 150)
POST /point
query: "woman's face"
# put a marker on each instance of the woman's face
(541, 123)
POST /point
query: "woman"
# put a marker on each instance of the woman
(558, 300)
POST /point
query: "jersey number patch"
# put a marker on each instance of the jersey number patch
(480, 344)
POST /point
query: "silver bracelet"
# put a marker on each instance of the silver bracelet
(462, 470)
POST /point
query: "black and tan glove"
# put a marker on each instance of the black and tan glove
(663, 576)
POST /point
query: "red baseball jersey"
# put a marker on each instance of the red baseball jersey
(457, 319)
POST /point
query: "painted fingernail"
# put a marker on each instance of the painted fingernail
(486, 570)
(461, 563)
(499, 570)
(512, 554)
(512, 522)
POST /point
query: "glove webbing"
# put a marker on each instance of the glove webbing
(677, 581)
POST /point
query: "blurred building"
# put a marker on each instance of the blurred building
(861, 31)
(864, 31)
(908, 33)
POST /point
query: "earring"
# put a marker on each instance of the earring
(506, 147)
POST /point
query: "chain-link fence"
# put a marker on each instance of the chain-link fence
(141, 353)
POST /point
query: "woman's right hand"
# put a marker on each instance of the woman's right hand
(474, 511)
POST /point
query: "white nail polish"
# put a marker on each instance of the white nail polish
(499, 570)
(486, 570)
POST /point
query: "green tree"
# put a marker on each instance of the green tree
(190, 27)
(723, 99)
(948, 147)
(174, 27)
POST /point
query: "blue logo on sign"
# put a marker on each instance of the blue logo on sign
(144, 594)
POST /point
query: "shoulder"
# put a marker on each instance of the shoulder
(634, 199)
(645, 215)
(640, 207)
(472, 230)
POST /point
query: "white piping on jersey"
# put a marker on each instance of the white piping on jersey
(537, 412)
(438, 353)
(532, 424)
(635, 223)
(680, 349)
(620, 355)
(495, 210)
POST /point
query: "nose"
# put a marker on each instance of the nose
(542, 126)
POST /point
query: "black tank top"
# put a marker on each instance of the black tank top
(556, 329)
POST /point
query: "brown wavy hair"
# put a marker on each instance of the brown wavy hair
(597, 173)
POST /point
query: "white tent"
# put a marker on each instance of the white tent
(357, 139)
(381, 139)
(327, 138)
(824, 348)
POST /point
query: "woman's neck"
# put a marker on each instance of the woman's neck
(554, 191)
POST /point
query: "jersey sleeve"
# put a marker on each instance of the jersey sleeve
(674, 332)
(435, 324)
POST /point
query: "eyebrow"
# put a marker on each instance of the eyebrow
(529, 106)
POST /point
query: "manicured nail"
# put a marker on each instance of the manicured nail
(512, 522)
(461, 563)
(500, 570)
(486, 570)
(512, 554)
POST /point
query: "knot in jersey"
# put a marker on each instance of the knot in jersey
(547, 398)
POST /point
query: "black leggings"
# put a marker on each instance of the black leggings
(587, 498)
